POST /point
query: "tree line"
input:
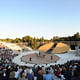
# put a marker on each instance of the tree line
(75, 37)
(27, 40)
(36, 42)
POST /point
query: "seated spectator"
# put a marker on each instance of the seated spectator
(17, 74)
(58, 72)
(1, 76)
(23, 76)
(76, 74)
(68, 74)
(48, 76)
(30, 75)
(40, 74)
(12, 76)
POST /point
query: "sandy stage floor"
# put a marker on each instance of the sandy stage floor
(63, 58)
(43, 59)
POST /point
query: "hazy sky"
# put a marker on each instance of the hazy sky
(38, 18)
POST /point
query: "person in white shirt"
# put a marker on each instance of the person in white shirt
(17, 74)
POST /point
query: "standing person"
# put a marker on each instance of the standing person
(30, 59)
(51, 57)
(39, 53)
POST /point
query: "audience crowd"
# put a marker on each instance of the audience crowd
(12, 71)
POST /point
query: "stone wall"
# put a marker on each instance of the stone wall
(77, 50)
(78, 53)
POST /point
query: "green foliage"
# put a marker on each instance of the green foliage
(27, 39)
(17, 40)
(35, 42)
(77, 36)
(55, 38)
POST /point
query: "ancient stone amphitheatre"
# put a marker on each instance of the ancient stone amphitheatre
(49, 53)
(45, 55)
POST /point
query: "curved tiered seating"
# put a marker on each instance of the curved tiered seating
(54, 48)
(46, 47)
(61, 48)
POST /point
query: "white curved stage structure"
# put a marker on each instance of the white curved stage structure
(71, 55)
